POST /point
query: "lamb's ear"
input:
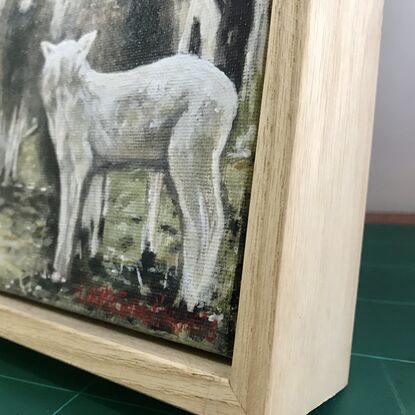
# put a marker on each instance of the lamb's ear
(86, 41)
(47, 48)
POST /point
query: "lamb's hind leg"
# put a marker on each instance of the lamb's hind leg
(149, 238)
(197, 181)
(94, 210)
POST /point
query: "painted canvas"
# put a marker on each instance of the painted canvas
(127, 140)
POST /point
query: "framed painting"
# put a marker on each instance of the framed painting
(183, 189)
(127, 158)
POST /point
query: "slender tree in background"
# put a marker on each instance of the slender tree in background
(206, 16)
(250, 91)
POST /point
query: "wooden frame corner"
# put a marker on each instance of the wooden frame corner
(304, 235)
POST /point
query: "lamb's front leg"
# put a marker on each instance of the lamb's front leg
(94, 210)
(72, 182)
(155, 186)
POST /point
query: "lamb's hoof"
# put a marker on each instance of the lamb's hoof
(145, 290)
(57, 278)
(195, 306)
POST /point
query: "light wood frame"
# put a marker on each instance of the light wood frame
(303, 243)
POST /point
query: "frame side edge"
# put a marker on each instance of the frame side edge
(256, 314)
(325, 211)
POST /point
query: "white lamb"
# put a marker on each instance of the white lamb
(174, 115)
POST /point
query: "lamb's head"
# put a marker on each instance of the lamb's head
(66, 59)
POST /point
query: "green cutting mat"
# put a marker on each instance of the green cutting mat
(383, 364)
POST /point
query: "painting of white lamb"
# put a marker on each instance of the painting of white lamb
(173, 115)
(127, 140)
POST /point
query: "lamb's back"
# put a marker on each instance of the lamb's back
(180, 77)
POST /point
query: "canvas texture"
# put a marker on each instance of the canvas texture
(127, 141)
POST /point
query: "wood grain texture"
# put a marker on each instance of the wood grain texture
(191, 380)
(307, 208)
(281, 95)
(303, 243)
(326, 204)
